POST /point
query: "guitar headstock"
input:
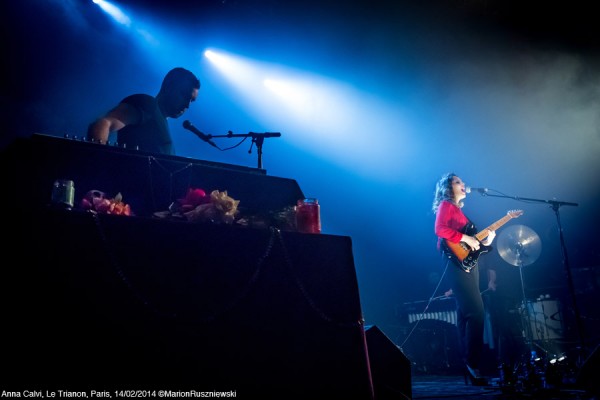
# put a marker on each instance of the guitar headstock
(515, 213)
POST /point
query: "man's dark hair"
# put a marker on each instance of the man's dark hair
(180, 77)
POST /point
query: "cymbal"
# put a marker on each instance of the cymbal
(519, 245)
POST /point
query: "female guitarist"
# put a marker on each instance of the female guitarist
(452, 228)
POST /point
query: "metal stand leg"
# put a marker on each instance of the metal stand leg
(530, 363)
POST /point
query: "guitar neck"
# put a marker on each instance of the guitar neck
(482, 235)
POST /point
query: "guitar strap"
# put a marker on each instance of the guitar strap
(470, 228)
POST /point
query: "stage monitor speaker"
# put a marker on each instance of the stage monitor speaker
(587, 378)
(390, 368)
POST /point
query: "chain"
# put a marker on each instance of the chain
(241, 294)
(307, 297)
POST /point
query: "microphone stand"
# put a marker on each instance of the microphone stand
(257, 138)
(555, 205)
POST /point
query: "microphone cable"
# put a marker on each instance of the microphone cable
(432, 298)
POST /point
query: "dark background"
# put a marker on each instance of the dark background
(504, 93)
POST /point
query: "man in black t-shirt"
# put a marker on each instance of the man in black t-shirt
(140, 120)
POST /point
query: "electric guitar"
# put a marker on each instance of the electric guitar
(467, 258)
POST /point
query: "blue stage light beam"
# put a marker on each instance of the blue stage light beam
(158, 36)
(114, 11)
(332, 119)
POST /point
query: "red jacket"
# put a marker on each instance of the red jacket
(449, 222)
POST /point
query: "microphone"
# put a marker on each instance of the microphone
(188, 125)
(469, 189)
(266, 134)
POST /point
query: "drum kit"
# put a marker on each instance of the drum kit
(544, 364)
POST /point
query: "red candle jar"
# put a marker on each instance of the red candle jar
(308, 216)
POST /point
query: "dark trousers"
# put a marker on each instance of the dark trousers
(470, 311)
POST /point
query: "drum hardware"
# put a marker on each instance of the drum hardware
(544, 366)
(520, 246)
(524, 249)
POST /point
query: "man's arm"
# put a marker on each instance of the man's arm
(117, 118)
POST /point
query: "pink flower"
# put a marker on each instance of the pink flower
(97, 201)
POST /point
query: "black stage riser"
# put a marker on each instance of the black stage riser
(119, 302)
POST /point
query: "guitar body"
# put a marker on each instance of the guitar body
(464, 256)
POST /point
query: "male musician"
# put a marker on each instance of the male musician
(141, 120)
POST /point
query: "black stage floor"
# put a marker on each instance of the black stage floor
(437, 387)
(556, 368)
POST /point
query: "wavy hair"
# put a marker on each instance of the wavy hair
(443, 191)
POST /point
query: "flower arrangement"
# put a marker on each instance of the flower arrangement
(97, 201)
(217, 206)
(284, 219)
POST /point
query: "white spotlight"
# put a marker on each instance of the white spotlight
(211, 55)
(114, 12)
